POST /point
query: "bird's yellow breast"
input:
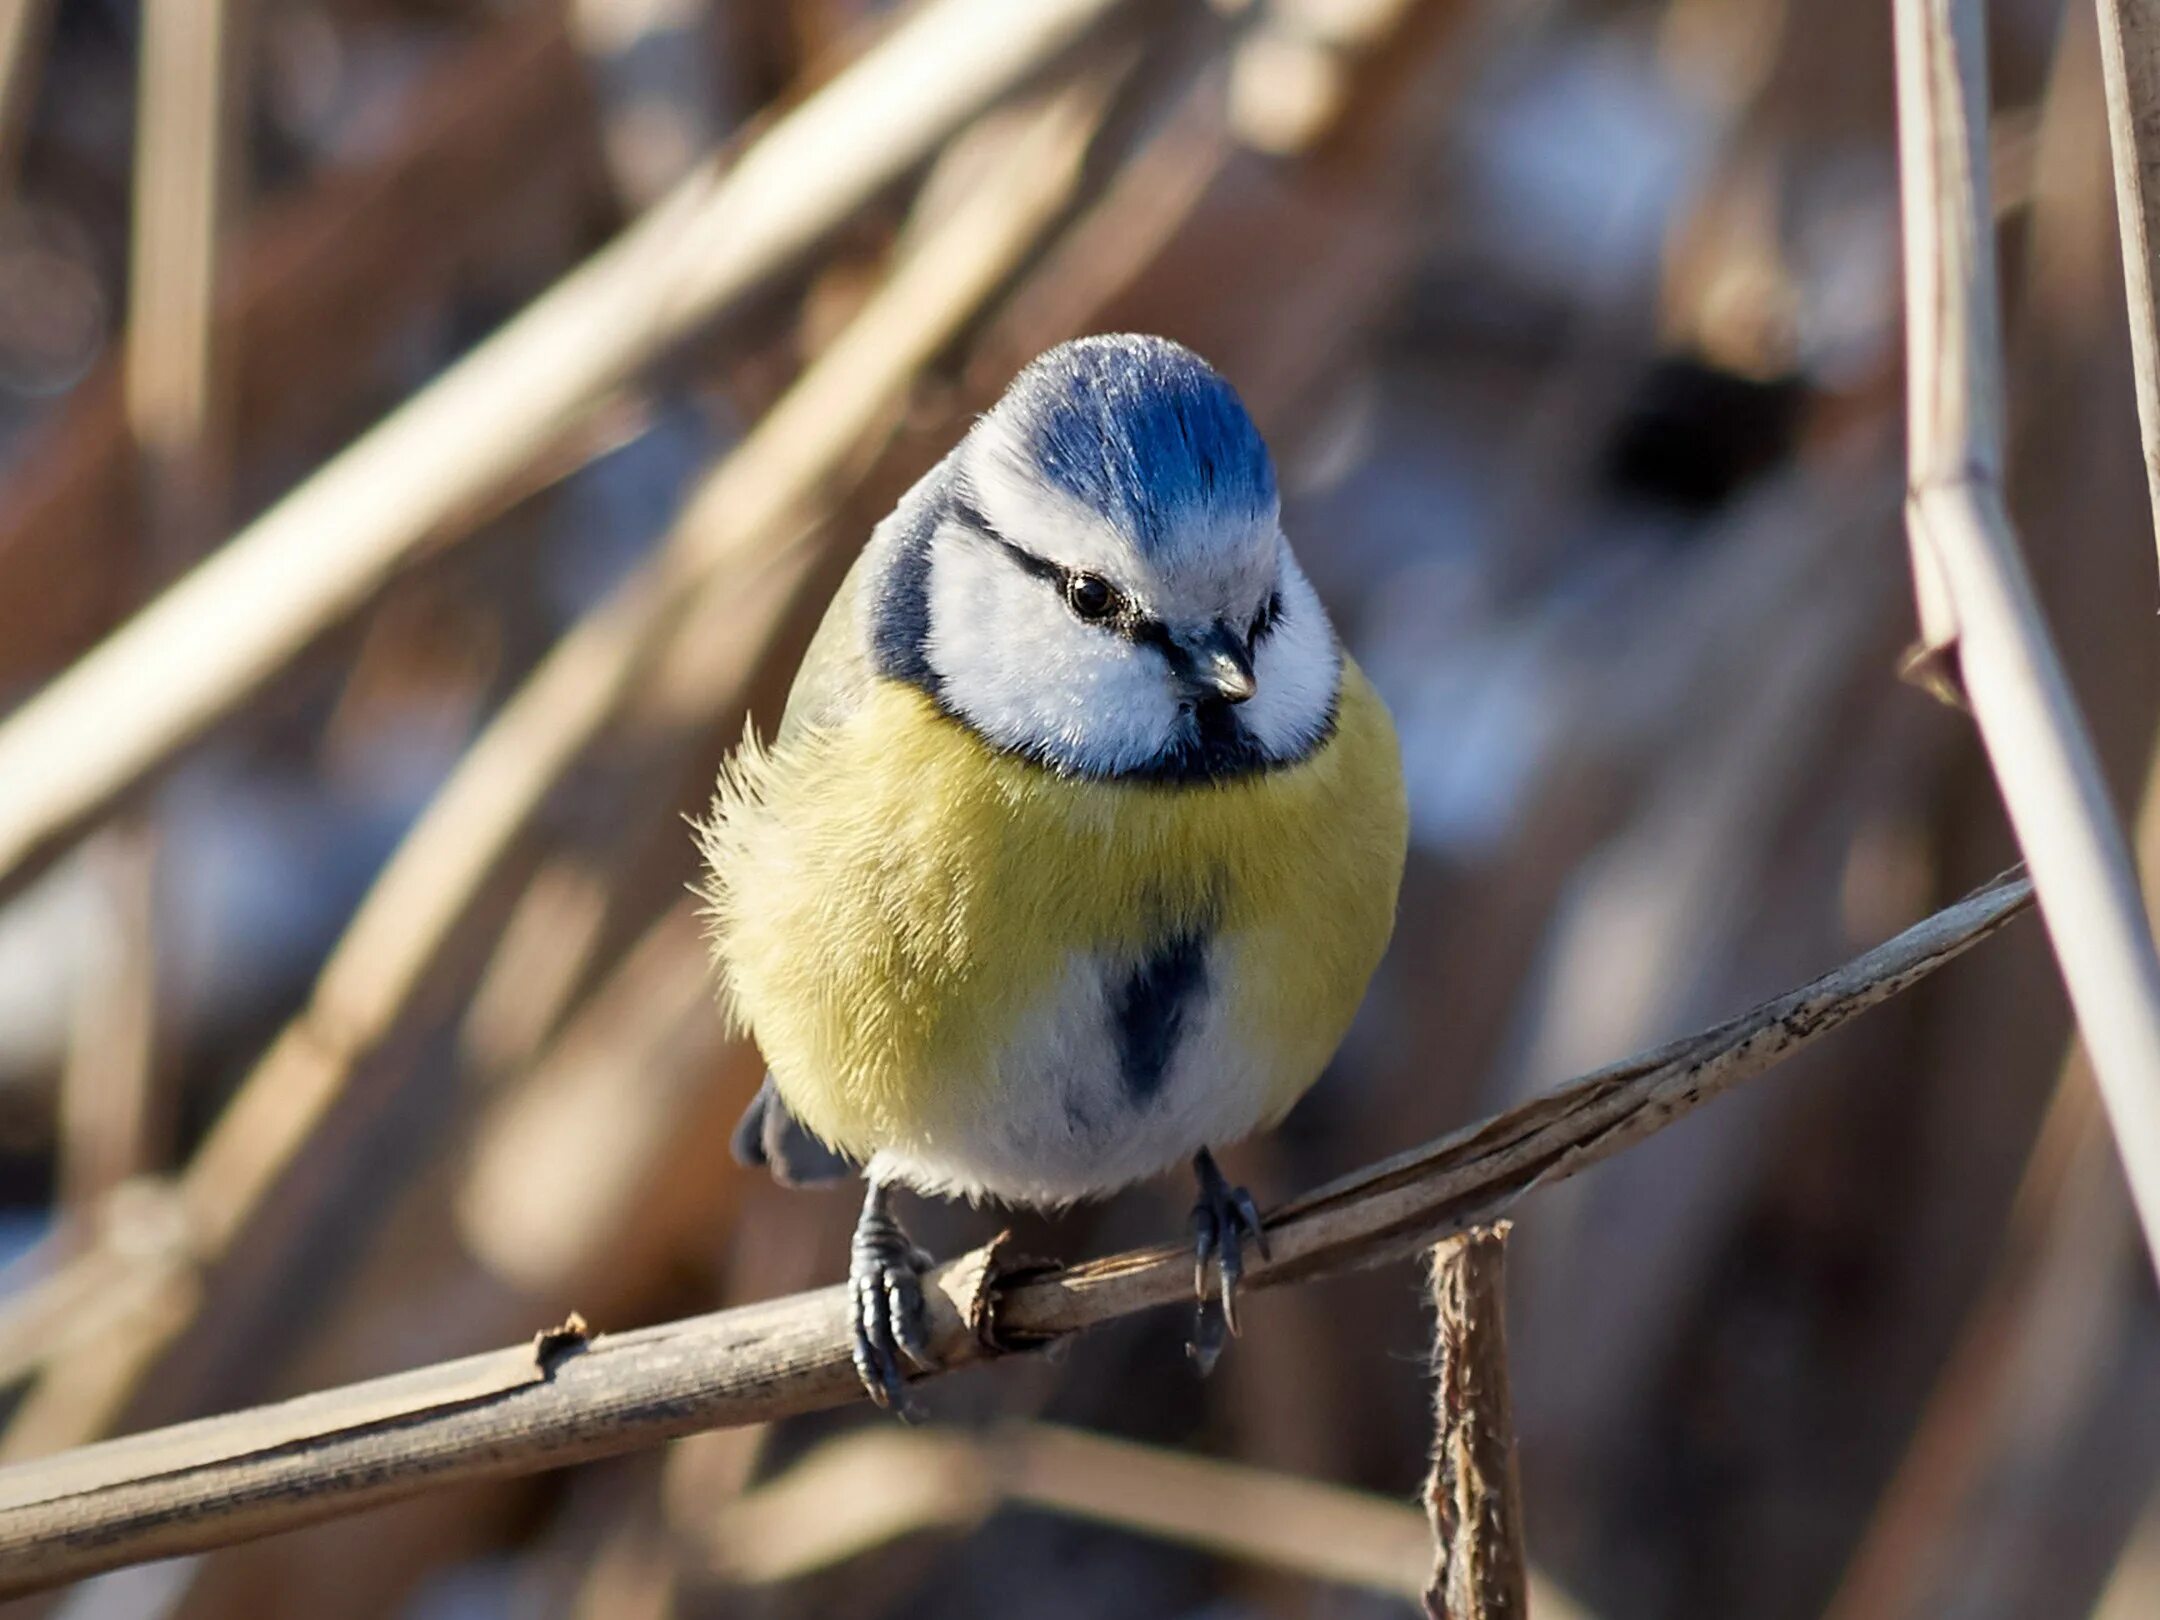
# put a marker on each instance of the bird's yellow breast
(891, 897)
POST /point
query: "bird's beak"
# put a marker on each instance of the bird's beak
(1219, 666)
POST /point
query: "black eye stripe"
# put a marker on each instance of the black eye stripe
(1040, 567)
(1123, 618)
(1120, 615)
(971, 516)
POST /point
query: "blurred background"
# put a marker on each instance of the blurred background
(365, 1022)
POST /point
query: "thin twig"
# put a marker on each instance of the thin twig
(1976, 599)
(569, 1397)
(1474, 1494)
(2130, 64)
(227, 628)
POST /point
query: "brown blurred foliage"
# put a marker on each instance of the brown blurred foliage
(1575, 330)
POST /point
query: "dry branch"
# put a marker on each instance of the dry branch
(567, 1397)
(1976, 599)
(2130, 63)
(226, 629)
(1474, 1493)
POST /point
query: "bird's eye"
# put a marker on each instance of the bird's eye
(1091, 596)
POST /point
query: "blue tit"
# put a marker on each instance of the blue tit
(1079, 840)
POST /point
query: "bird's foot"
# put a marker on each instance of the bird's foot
(885, 1303)
(1223, 1218)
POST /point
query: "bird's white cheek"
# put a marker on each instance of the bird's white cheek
(1296, 668)
(1013, 661)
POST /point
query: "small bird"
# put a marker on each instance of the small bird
(1078, 843)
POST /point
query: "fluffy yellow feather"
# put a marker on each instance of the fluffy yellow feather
(890, 897)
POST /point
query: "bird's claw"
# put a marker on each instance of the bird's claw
(885, 1303)
(1223, 1217)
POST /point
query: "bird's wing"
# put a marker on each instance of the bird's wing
(836, 669)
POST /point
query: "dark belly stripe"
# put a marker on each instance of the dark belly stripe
(1149, 1011)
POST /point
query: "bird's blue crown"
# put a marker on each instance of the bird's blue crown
(1145, 432)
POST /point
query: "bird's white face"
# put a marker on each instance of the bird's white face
(1147, 620)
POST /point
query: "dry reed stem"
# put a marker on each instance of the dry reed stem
(866, 1489)
(323, 279)
(2130, 65)
(23, 27)
(569, 1397)
(2133, 1587)
(656, 79)
(1474, 1494)
(1976, 600)
(183, 169)
(400, 939)
(1958, 1441)
(1955, 1444)
(114, 1114)
(222, 632)
(114, 1122)
(861, 1491)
